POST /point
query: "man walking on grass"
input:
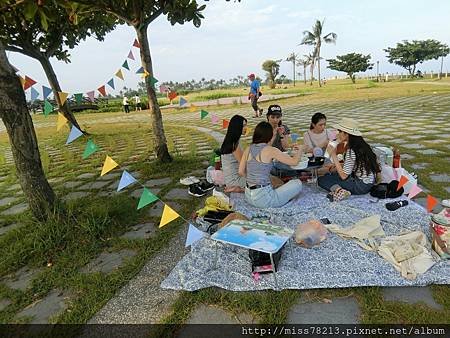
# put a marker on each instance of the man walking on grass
(254, 94)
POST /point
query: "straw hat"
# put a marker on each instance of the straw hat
(350, 126)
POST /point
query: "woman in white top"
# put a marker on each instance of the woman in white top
(357, 174)
(317, 137)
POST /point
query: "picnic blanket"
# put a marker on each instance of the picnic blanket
(335, 263)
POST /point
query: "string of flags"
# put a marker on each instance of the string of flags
(415, 190)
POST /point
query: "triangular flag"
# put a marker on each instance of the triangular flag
(102, 90)
(414, 191)
(61, 121)
(125, 180)
(163, 89)
(78, 97)
(145, 75)
(193, 235)
(203, 114)
(214, 119)
(91, 95)
(431, 203)
(146, 198)
(403, 180)
(74, 134)
(225, 123)
(108, 165)
(119, 74)
(168, 215)
(248, 131)
(111, 83)
(90, 148)
(192, 108)
(46, 91)
(22, 80)
(172, 95)
(62, 97)
(130, 55)
(34, 94)
(140, 71)
(28, 83)
(294, 137)
(183, 101)
(153, 80)
(125, 65)
(136, 44)
(48, 108)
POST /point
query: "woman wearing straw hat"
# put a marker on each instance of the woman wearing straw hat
(357, 174)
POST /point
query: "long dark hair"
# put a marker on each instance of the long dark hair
(263, 133)
(366, 160)
(234, 132)
(316, 118)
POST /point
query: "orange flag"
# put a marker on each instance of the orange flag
(22, 80)
(225, 124)
(102, 90)
(402, 182)
(431, 203)
(28, 83)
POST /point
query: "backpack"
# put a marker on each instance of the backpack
(386, 190)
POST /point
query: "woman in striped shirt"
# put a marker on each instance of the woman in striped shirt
(357, 174)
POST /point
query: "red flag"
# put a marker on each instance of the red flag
(28, 83)
(402, 182)
(225, 124)
(102, 90)
(136, 43)
(431, 203)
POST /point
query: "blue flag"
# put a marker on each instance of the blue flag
(74, 134)
(125, 180)
(193, 235)
(46, 91)
(140, 71)
(111, 83)
(34, 94)
(183, 101)
(294, 137)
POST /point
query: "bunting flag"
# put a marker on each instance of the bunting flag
(248, 131)
(168, 215)
(145, 75)
(108, 165)
(136, 44)
(34, 94)
(146, 198)
(74, 134)
(46, 91)
(415, 190)
(61, 121)
(225, 123)
(431, 203)
(102, 90)
(192, 108)
(193, 235)
(78, 98)
(126, 180)
(152, 80)
(294, 137)
(48, 108)
(90, 148)
(91, 95)
(163, 89)
(63, 97)
(203, 114)
(140, 71)
(183, 101)
(111, 83)
(403, 180)
(172, 95)
(22, 81)
(215, 119)
(125, 65)
(130, 55)
(119, 74)
(28, 83)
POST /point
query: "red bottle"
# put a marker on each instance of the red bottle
(396, 160)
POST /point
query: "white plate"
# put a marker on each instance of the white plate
(300, 165)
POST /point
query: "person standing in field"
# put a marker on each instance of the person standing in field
(137, 102)
(254, 94)
(126, 105)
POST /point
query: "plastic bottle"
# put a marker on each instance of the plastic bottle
(217, 163)
(396, 160)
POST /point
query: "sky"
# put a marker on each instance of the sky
(236, 38)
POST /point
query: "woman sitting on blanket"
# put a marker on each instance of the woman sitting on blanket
(232, 153)
(357, 174)
(317, 137)
(256, 165)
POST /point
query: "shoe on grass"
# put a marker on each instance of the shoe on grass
(189, 180)
(195, 190)
(205, 185)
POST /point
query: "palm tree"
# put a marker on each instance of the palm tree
(292, 58)
(315, 39)
(305, 62)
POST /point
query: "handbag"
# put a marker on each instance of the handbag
(386, 190)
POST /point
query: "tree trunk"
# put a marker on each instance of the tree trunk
(293, 64)
(318, 68)
(53, 81)
(24, 145)
(304, 74)
(162, 152)
(312, 73)
(352, 77)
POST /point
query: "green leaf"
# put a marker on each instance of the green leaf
(30, 10)
(44, 21)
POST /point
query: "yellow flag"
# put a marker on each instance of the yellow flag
(61, 121)
(248, 131)
(22, 80)
(168, 215)
(145, 74)
(192, 108)
(109, 165)
(63, 97)
(119, 74)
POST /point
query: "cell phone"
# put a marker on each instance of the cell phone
(325, 220)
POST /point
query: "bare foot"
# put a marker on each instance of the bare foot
(233, 189)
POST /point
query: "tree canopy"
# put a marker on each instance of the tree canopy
(350, 63)
(408, 54)
(272, 67)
